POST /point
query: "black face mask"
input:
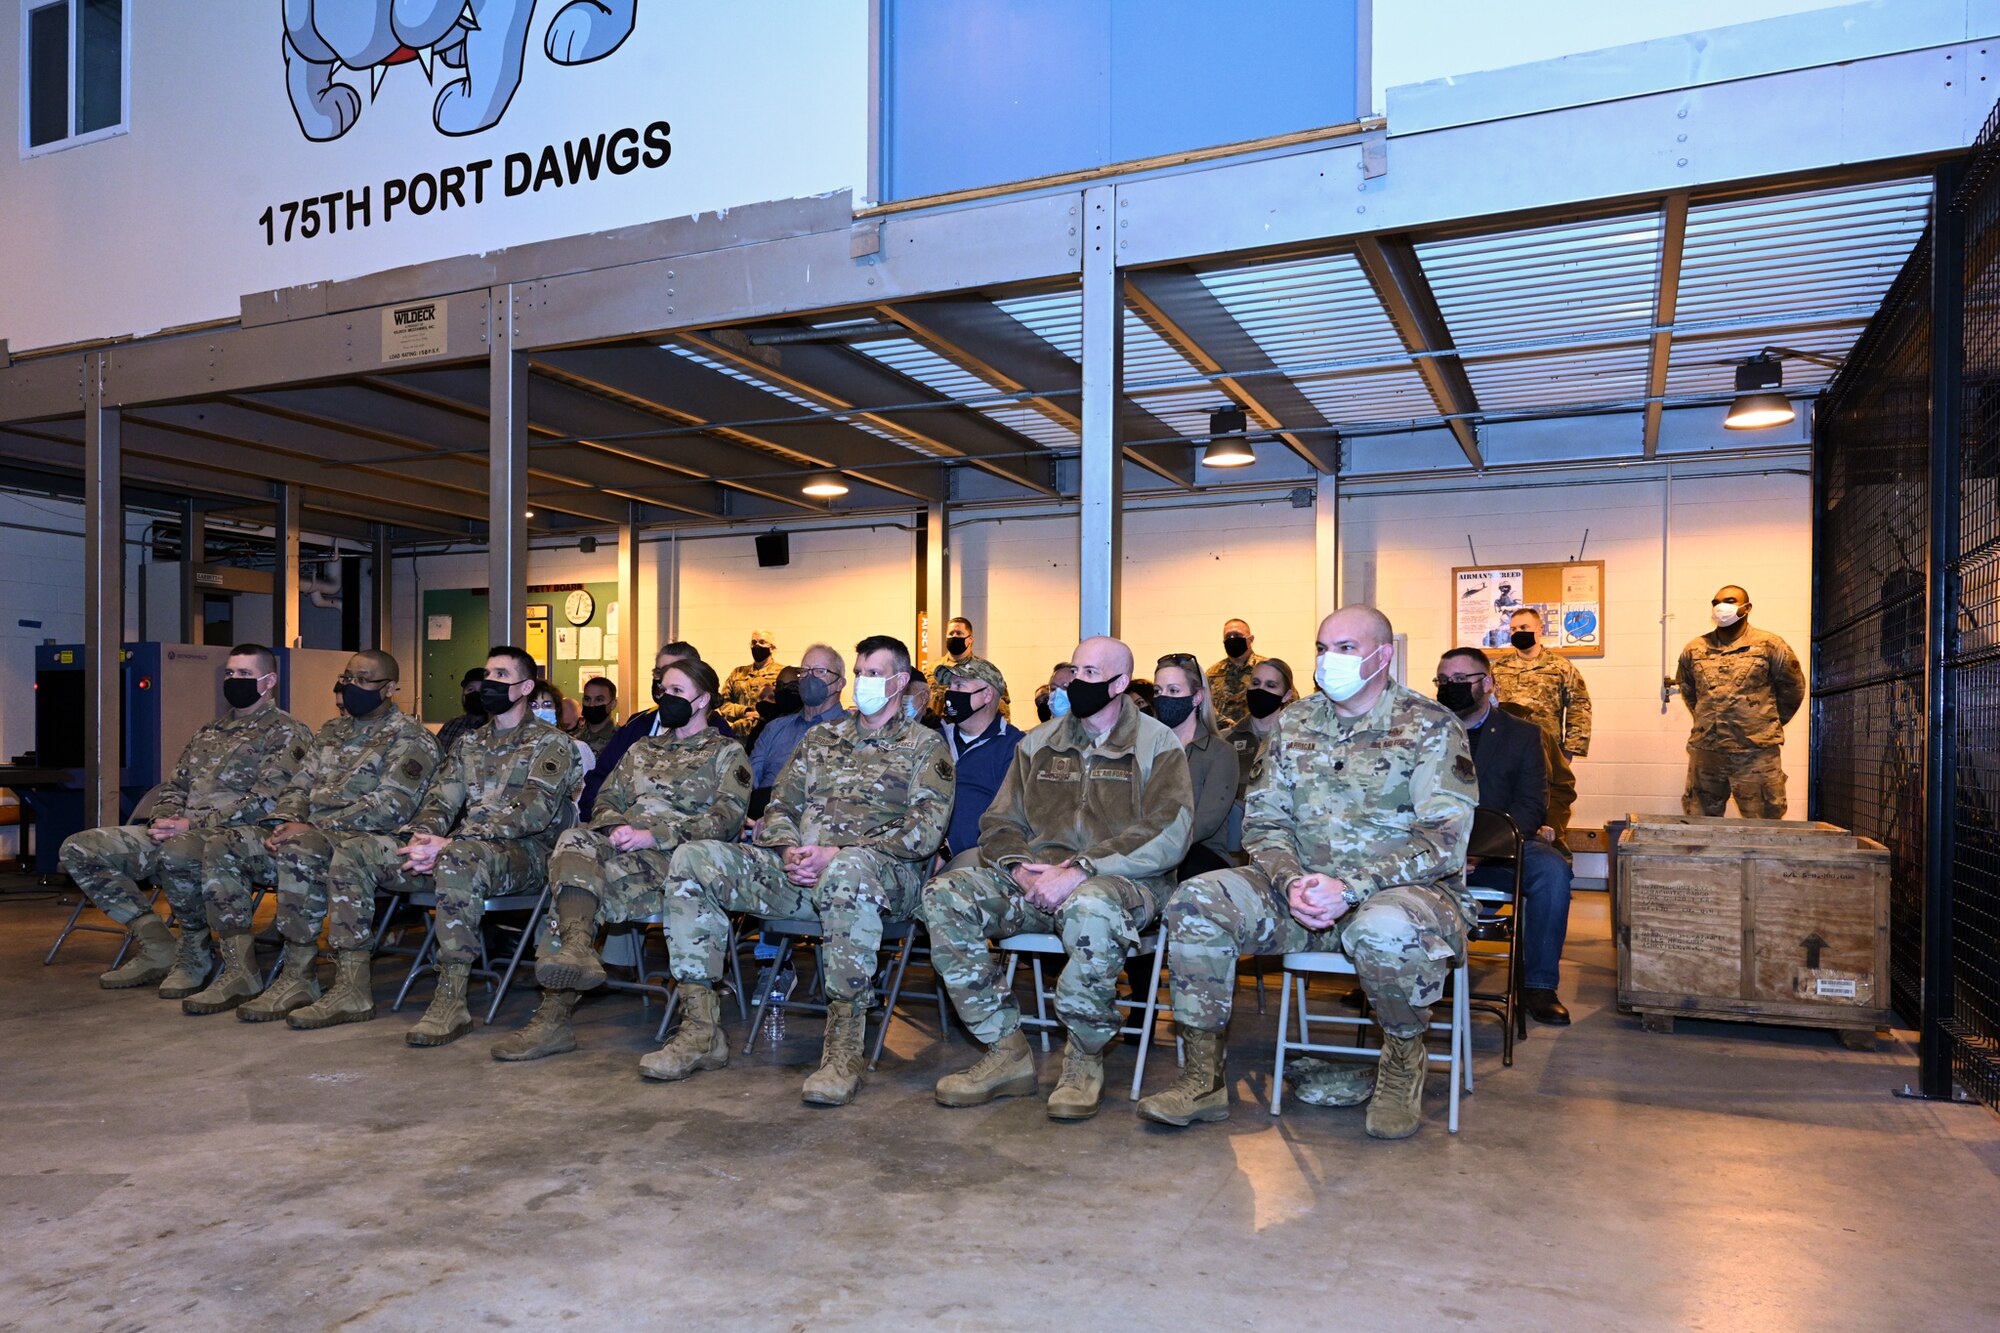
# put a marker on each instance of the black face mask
(240, 692)
(1262, 703)
(958, 705)
(955, 644)
(1235, 645)
(675, 712)
(474, 706)
(1173, 710)
(1457, 696)
(594, 714)
(759, 653)
(359, 701)
(789, 701)
(1042, 708)
(1523, 639)
(496, 696)
(813, 691)
(1088, 698)
(767, 709)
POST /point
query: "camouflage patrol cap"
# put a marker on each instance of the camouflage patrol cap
(979, 669)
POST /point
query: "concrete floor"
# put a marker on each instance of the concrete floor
(168, 1172)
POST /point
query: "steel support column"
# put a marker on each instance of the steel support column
(194, 549)
(628, 613)
(382, 592)
(1326, 546)
(507, 473)
(285, 570)
(103, 600)
(1102, 489)
(1934, 1043)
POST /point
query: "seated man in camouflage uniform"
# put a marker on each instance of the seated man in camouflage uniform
(1356, 822)
(854, 820)
(363, 773)
(227, 777)
(1082, 839)
(502, 797)
(682, 784)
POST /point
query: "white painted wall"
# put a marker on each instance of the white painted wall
(767, 99)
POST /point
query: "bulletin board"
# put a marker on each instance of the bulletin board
(1569, 595)
(455, 639)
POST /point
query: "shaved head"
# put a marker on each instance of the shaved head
(375, 664)
(1108, 655)
(1363, 626)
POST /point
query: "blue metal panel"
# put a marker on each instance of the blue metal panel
(981, 92)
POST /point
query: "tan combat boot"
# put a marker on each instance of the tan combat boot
(547, 1033)
(235, 983)
(295, 986)
(1201, 1092)
(151, 958)
(1397, 1108)
(352, 999)
(1006, 1070)
(447, 1019)
(841, 1060)
(575, 966)
(1081, 1086)
(697, 1044)
(192, 961)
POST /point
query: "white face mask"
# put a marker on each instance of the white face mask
(1725, 614)
(871, 693)
(1341, 676)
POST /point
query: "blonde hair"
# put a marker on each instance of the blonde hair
(1197, 683)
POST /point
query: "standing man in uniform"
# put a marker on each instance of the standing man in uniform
(227, 778)
(1356, 823)
(746, 683)
(1229, 679)
(502, 797)
(1082, 840)
(958, 649)
(1742, 685)
(364, 773)
(852, 824)
(599, 720)
(1546, 689)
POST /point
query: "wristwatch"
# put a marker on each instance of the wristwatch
(1352, 896)
(1086, 865)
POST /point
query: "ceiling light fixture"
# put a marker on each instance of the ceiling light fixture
(1227, 445)
(1758, 404)
(824, 486)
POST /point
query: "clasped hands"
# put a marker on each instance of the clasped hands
(1049, 886)
(1317, 901)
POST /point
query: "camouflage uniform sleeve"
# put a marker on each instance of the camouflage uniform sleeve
(284, 748)
(1156, 842)
(170, 797)
(446, 799)
(1004, 835)
(406, 772)
(1576, 712)
(780, 828)
(933, 787)
(1268, 814)
(1444, 790)
(615, 795)
(294, 803)
(727, 777)
(541, 799)
(1684, 673)
(1788, 679)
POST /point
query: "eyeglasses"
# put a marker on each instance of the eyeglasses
(822, 673)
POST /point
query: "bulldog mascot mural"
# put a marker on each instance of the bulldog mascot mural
(482, 43)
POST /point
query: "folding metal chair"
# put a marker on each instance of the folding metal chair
(1038, 945)
(75, 927)
(887, 988)
(1495, 838)
(500, 979)
(665, 988)
(1458, 1064)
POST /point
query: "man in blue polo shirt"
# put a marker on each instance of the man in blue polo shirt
(982, 744)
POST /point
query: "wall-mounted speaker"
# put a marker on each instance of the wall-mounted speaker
(774, 549)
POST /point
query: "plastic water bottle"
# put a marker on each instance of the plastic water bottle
(774, 1009)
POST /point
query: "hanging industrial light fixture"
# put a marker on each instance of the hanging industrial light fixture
(1227, 445)
(824, 486)
(1758, 404)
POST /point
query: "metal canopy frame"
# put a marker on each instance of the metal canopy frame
(1422, 287)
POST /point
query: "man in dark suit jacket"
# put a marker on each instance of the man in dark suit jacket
(1512, 758)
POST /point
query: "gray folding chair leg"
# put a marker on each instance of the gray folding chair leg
(1149, 1013)
(520, 948)
(420, 963)
(897, 966)
(71, 927)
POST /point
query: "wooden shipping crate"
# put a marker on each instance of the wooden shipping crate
(1750, 924)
